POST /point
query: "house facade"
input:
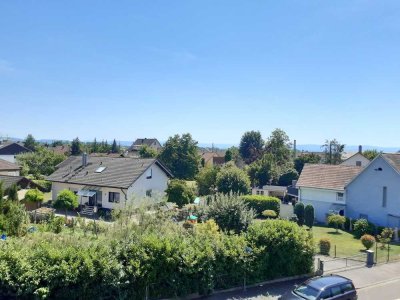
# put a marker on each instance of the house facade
(152, 143)
(357, 159)
(375, 193)
(9, 151)
(9, 168)
(323, 186)
(110, 182)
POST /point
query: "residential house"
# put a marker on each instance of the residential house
(374, 194)
(9, 150)
(8, 168)
(61, 149)
(270, 190)
(323, 186)
(213, 158)
(357, 159)
(152, 143)
(110, 182)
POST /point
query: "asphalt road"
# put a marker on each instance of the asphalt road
(381, 282)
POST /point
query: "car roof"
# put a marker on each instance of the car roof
(325, 281)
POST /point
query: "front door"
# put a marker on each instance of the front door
(92, 200)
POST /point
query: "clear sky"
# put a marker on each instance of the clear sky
(214, 68)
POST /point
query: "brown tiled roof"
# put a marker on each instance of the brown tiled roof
(20, 181)
(8, 166)
(393, 159)
(333, 177)
(119, 172)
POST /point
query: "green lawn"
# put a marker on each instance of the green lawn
(347, 245)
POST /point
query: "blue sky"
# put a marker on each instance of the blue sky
(128, 69)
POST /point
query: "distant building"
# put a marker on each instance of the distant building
(152, 143)
(213, 158)
(8, 168)
(357, 159)
(9, 150)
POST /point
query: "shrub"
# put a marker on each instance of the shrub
(368, 241)
(385, 237)
(324, 246)
(336, 221)
(230, 213)
(271, 214)
(66, 199)
(309, 215)
(57, 224)
(261, 203)
(361, 227)
(46, 185)
(299, 212)
(179, 192)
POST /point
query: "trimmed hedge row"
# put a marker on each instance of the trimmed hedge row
(168, 260)
(260, 203)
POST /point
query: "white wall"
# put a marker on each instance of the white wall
(352, 161)
(10, 158)
(323, 200)
(10, 173)
(365, 194)
(158, 183)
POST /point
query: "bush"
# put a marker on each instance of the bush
(336, 221)
(270, 214)
(309, 215)
(362, 226)
(57, 224)
(324, 246)
(368, 241)
(261, 203)
(299, 212)
(179, 192)
(230, 213)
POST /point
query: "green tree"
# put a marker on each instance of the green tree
(57, 143)
(76, 147)
(228, 155)
(231, 179)
(309, 215)
(230, 213)
(147, 152)
(278, 144)
(181, 156)
(207, 180)
(66, 200)
(333, 152)
(34, 196)
(114, 147)
(263, 171)
(371, 154)
(95, 146)
(336, 221)
(16, 219)
(179, 192)
(13, 193)
(299, 212)
(30, 142)
(310, 158)
(1, 191)
(40, 163)
(287, 177)
(251, 146)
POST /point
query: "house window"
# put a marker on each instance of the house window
(113, 197)
(262, 192)
(258, 192)
(384, 196)
(362, 216)
(149, 174)
(148, 193)
(358, 163)
(340, 196)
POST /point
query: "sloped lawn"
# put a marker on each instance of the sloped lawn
(347, 245)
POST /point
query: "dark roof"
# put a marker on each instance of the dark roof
(140, 142)
(119, 172)
(8, 166)
(393, 159)
(326, 281)
(320, 176)
(20, 181)
(12, 149)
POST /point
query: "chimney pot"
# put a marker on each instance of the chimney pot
(360, 149)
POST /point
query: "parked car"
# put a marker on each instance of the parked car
(333, 287)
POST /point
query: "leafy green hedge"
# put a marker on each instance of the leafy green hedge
(169, 260)
(261, 203)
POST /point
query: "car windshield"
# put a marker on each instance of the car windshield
(306, 292)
